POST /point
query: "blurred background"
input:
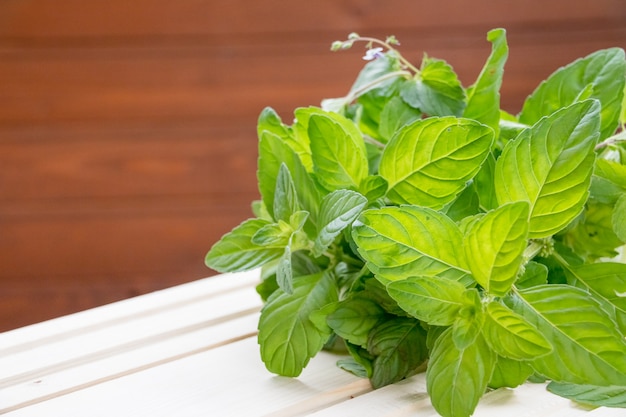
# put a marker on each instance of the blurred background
(128, 127)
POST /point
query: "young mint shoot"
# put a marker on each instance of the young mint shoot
(421, 228)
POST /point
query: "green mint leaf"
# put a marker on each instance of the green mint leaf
(354, 318)
(373, 187)
(466, 204)
(396, 114)
(606, 281)
(456, 378)
(470, 321)
(509, 373)
(588, 348)
(338, 152)
(399, 347)
(273, 234)
(285, 195)
(593, 235)
(598, 396)
(511, 335)
(287, 336)
(271, 122)
(604, 70)
(618, 218)
(436, 301)
(550, 166)
(236, 252)
(436, 90)
(534, 274)
(338, 210)
(608, 182)
(483, 103)
(273, 153)
(430, 161)
(484, 185)
(284, 273)
(354, 367)
(495, 244)
(397, 243)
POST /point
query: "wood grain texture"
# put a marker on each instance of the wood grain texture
(128, 129)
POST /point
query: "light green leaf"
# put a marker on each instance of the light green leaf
(470, 321)
(284, 273)
(399, 242)
(373, 187)
(483, 103)
(430, 161)
(434, 300)
(495, 244)
(484, 186)
(619, 218)
(273, 152)
(287, 336)
(270, 121)
(608, 182)
(509, 373)
(399, 347)
(436, 90)
(338, 210)
(285, 197)
(606, 281)
(511, 335)
(396, 114)
(456, 379)
(599, 396)
(588, 348)
(338, 152)
(604, 70)
(550, 165)
(354, 318)
(235, 251)
(273, 234)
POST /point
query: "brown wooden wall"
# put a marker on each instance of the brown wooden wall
(127, 127)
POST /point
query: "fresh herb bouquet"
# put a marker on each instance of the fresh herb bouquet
(425, 229)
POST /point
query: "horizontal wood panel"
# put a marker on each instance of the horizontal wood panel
(167, 162)
(110, 86)
(78, 18)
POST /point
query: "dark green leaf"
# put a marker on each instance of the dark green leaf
(396, 114)
(619, 218)
(354, 318)
(430, 161)
(373, 187)
(484, 185)
(287, 336)
(399, 347)
(509, 373)
(534, 274)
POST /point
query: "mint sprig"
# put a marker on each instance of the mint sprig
(426, 229)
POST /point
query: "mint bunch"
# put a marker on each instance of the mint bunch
(418, 227)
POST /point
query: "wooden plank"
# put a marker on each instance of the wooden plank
(97, 18)
(137, 164)
(202, 86)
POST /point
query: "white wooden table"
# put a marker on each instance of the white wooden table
(191, 351)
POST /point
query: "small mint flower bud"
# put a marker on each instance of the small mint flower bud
(392, 40)
(353, 36)
(373, 53)
(337, 45)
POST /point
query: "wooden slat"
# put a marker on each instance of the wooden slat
(29, 18)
